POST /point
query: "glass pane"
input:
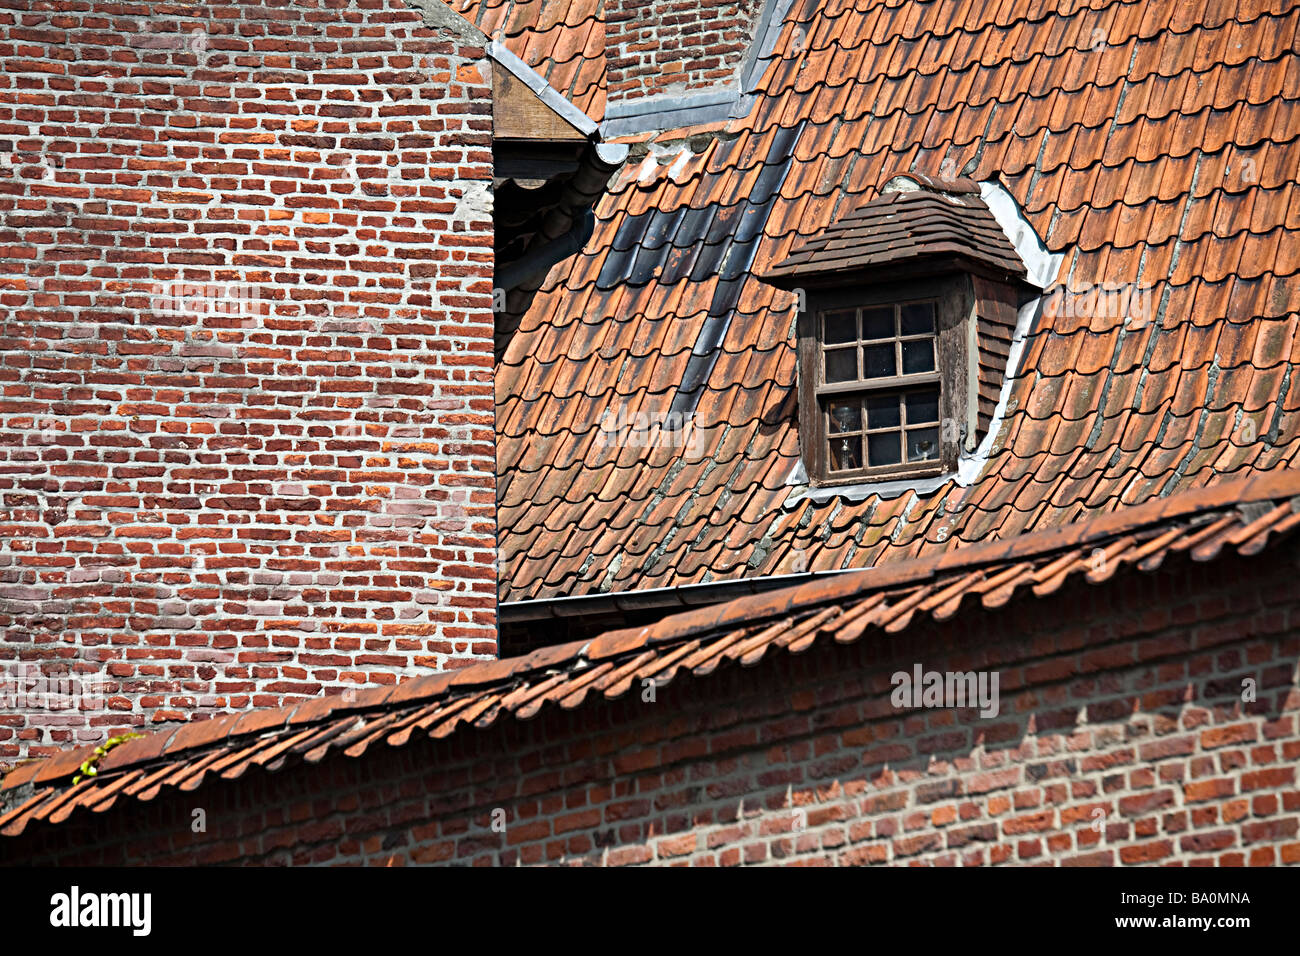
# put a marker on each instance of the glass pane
(845, 416)
(882, 411)
(878, 361)
(883, 449)
(878, 323)
(922, 444)
(918, 356)
(917, 318)
(846, 453)
(840, 327)
(841, 365)
(923, 406)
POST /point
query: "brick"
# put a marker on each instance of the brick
(236, 426)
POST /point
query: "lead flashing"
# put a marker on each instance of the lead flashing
(545, 92)
(657, 113)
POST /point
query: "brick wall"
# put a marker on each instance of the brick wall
(246, 432)
(1122, 739)
(658, 47)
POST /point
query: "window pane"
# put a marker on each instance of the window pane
(878, 361)
(841, 365)
(845, 416)
(883, 449)
(917, 318)
(923, 406)
(922, 444)
(878, 323)
(840, 327)
(918, 356)
(846, 453)
(882, 411)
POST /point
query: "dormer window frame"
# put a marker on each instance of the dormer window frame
(921, 238)
(953, 296)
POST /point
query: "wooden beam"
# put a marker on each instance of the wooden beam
(519, 113)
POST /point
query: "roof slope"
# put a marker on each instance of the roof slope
(1152, 144)
(1245, 516)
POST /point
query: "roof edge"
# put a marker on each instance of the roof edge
(676, 595)
(580, 655)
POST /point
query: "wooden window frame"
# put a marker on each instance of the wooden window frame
(953, 297)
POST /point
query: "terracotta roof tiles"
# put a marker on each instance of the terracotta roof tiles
(1147, 144)
(563, 40)
(939, 225)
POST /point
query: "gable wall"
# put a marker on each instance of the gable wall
(246, 408)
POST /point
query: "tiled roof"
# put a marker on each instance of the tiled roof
(1152, 144)
(1246, 517)
(563, 40)
(915, 229)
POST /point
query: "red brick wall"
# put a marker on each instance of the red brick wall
(657, 47)
(1124, 699)
(246, 433)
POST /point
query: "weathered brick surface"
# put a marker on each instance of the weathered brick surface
(676, 46)
(1150, 758)
(246, 408)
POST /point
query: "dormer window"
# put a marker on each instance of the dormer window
(910, 306)
(879, 393)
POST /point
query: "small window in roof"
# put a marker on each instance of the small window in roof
(910, 307)
(876, 399)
